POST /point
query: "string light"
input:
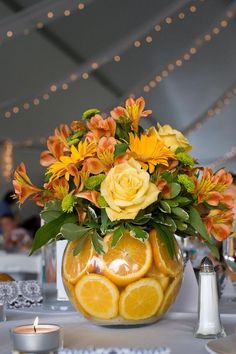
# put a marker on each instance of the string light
(117, 58)
(49, 15)
(7, 160)
(229, 155)
(205, 39)
(213, 110)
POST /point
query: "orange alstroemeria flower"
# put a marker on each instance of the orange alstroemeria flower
(210, 187)
(23, 186)
(106, 149)
(219, 223)
(100, 127)
(59, 188)
(91, 195)
(134, 110)
(56, 144)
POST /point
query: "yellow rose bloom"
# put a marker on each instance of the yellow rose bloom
(173, 138)
(127, 189)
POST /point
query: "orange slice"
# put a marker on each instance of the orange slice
(98, 296)
(128, 261)
(163, 279)
(171, 294)
(164, 262)
(141, 299)
(75, 266)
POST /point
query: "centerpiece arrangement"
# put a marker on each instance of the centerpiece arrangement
(119, 194)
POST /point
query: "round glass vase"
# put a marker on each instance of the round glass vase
(133, 283)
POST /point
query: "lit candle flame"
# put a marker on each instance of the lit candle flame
(36, 322)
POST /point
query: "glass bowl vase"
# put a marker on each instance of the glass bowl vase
(133, 283)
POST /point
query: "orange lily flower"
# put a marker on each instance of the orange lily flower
(23, 186)
(100, 127)
(211, 186)
(106, 149)
(56, 144)
(219, 223)
(134, 110)
(91, 195)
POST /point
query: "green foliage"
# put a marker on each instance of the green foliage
(90, 113)
(185, 159)
(71, 231)
(102, 202)
(197, 223)
(138, 232)
(167, 237)
(50, 230)
(68, 203)
(120, 149)
(117, 234)
(51, 211)
(175, 189)
(187, 182)
(123, 130)
(98, 243)
(181, 213)
(167, 175)
(165, 207)
(94, 181)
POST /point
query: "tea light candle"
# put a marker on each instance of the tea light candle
(43, 338)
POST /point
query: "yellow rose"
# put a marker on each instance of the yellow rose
(127, 189)
(173, 138)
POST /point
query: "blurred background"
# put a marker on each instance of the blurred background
(59, 58)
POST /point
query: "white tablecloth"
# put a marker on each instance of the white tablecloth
(175, 331)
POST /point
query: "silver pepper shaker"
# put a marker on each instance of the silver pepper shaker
(209, 323)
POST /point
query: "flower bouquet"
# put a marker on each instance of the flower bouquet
(119, 194)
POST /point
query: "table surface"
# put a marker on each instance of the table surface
(175, 331)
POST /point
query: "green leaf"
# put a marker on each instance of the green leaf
(79, 245)
(92, 214)
(122, 130)
(98, 243)
(167, 238)
(164, 206)
(175, 189)
(181, 225)
(159, 219)
(213, 248)
(172, 203)
(181, 213)
(167, 175)
(104, 221)
(50, 230)
(72, 231)
(53, 205)
(52, 210)
(120, 149)
(138, 233)
(89, 113)
(182, 200)
(172, 223)
(142, 219)
(197, 223)
(117, 234)
(102, 201)
(49, 215)
(94, 181)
